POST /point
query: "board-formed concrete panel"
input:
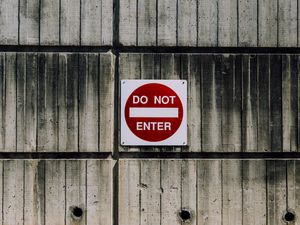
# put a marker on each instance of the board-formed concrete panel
(56, 102)
(40, 192)
(212, 192)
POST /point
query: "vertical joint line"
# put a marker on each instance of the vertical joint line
(156, 25)
(286, 186)
(16, 94)
(65, 217)
(116, 105)
(78, 100)
(277, 23)
(116, 20)
(297, 23)
(217, 44)
(222, 192)
(80, 20)
(57, 104)
(137, 23)
(197, 22)
(86, 187)
(59, 22)
(99, 114)
(237, 23)
(2, 196)
(40, 8)
(19, 21)
(177, 23)
(24, 183)
(266, 183)
(140, 191)
(257, 24)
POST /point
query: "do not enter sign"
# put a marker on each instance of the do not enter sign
(153, 112)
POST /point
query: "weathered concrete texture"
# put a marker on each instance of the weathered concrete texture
(223, 23)
(235, 102)
(214, 191)
(56, 102)
(56, 22)
(35, 192)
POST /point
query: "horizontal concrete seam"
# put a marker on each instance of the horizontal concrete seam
(151, 49)
(153, 155)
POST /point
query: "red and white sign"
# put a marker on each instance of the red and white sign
(153, 112)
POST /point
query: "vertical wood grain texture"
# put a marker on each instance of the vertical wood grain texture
(171, 196)
(211, 103)
(128, 22)
(208, 23)
(129, 192)
(150, 189)
(29, 22)
(107, 22)
(92, 14)
(13, 187)
(232, 192)
(146, 24)
(27, 66)
(189, 188)
(167, 12)
(10, 103)
(88, 102)
(277, 195)
(68, 102)
(247, 28)
(289, 103)
(298, 107)
(293, 187)
(231, 103)
(187, 22)
(263, 104)
(34, 192)
(49, 22)
(276, 103)
(76, 190)
(287, 23)
(47, 103)
(267, 23)
(55, 189)
(249, 117)
(1, 190)
(70, 22)
(2, 101)
(228, 22)
(209, 193)
(106, 99)
(254, 208)
(9, 22)
(194, 103)
(99, 192)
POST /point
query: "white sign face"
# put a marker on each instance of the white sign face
(153, 112)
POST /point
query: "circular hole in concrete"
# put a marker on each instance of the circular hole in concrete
(289, 216)
(77, 212)
(185, 215)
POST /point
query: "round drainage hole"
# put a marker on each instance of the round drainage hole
(185, 215)
(77, 212)
(289, 216)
